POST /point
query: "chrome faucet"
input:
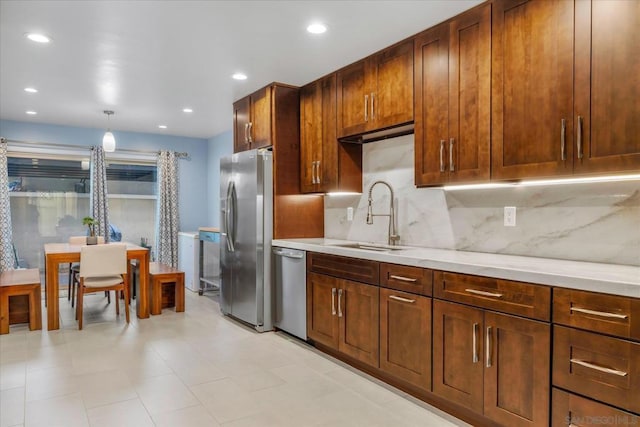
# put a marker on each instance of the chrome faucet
(393, 238)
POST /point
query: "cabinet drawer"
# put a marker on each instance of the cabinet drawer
(609, 314)
(404, 278)
(571, 410)
(360, 270)
(597, 366)
(519, 298)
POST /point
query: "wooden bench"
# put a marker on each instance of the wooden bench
(20, 299)
(167, 287)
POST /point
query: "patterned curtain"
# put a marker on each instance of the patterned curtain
(167, 227)
(99, 205)
(6, 238)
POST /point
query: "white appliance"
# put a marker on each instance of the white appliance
(189, 258)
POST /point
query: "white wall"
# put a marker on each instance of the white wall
(219, 146)
(598, 222)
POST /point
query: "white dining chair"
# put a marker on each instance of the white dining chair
(103, 268)
(74, 268)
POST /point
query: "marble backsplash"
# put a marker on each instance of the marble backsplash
(596, 222)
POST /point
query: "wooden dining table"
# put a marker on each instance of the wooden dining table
(64, 253)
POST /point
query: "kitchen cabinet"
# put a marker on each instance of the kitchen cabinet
(325, 164)
(532, 88)
(405, 323)
(377, 92)
(341, 313)
(572, 410)
(607, 106)
(563, 100)
(453, 98)
(492, 354)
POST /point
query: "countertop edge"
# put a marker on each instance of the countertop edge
(612, 279)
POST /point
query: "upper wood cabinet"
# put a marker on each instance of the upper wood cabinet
(607, 87)
(452, 91)
(252, 118)
(545, 121)
(532, 85)
(377, 92)
(325, 164)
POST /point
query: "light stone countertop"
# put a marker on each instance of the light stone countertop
(595, 277)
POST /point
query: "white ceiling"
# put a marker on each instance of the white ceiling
(147, 60)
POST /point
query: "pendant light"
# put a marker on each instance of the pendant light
(108, 141)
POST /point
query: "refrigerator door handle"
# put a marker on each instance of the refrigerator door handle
(228, 211)
(232, 232)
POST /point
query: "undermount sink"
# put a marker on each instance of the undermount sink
(371, 246)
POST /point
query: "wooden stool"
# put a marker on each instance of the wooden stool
(20, 299)
(162, 277)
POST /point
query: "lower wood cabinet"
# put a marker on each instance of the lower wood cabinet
(343, 314)
(405, 337)
(494, 364)
(576, 411)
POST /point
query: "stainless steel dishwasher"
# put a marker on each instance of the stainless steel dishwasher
(290, 271)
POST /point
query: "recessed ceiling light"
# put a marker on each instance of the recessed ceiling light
(30, 89)
(31, 113)
(38, 38)
(187, 110)
(239, 76)
(317, 28)
(162, 126)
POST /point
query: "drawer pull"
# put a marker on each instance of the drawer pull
(402, 278)
(402, 299)
(599, 313)
(483, 293)
(598, 367)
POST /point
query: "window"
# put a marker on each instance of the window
(49, 195)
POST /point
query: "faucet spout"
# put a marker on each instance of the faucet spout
(393, 237)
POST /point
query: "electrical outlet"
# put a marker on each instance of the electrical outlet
(349, 213)
(509, 216)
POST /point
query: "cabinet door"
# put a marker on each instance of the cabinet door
(469, 137)
(516, 379)
(458, 347)
(405, 337)
(322, 309)
(353, 100)
(241, 125)
(358, 314)
(532, 88)
(432, 105)
(607, 107)
(391, 73)
(311, 136)
(261, 117)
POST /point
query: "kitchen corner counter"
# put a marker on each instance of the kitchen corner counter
(607, 278)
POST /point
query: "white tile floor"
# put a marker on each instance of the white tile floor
(197, 368)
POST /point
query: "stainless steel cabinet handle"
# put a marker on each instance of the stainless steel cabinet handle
(366, 108)
(598, 367)
(475, 356)
(488, 344)
(318, 173)
(442, 155)
(339, 302)
(250, 129)
(246, 132)
(410, 301)
(579, 137)
(313, 172)
(402, 278)
(373, 109)
(451, 166)
(333, 303)
(598, 313)
(483, 293)
(563, 132)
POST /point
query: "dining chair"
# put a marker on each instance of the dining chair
(103, 268)
(74, 268)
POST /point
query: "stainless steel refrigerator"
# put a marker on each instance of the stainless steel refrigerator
(246, 203)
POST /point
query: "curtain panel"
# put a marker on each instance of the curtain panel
(99, 205)
(7, 260)
(167, 217)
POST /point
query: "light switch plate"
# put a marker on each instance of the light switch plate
(349, 213)
(509, 216)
